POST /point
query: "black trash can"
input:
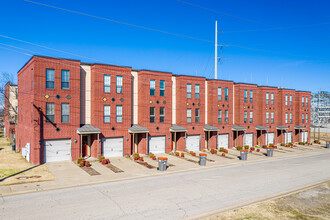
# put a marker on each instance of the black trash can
(13, 147)
(244, 154)
(202, 159)
(162, 163)
(270, 151)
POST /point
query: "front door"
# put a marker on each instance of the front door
(86, 146)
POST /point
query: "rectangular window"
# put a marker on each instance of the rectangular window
(245, 116)
(189, 115)
(220, 116)
(302, 118)
(188, 91)
(267, 117)
(65, 79)
(267, 98)
(162, 114)
(119, 84)
(286, 99)
(162, 88)
(245, 95)
(197, 115)
(251, 117)
(306, 101)
(16, 93)
(50, 112)
(290, 99)
(50, 77)
(290, 118)
(306, 118)
(119, 113)
(286, 118)
(196, 91)
(152, 115)
(152, 87)
(303, 101)
(226, 94)
(226, 116)
(251, 96)
(219, 94)
(272, 98)
(106, 113)
(272, 117)
(65, 112)
(106, 83)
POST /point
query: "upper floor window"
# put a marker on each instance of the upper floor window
(245, 116)
(65, 79)
(267, 117)
(226, 116)
(286, 99)
(50, 77)
(162, 88)
(16, 93)
(50, 112)
(106, 83)
(152, 87)
(251, 117)
(272, 98)
(152, 115)
(196, 91)
(197, 115)
(106, 113)
(286, 118)
(290, 99)
(119, 84)
(189, 115)
(290, 117)
(219, 93)
(306, 101)
(162, 114)
(303, 101)
(188, 91)
(272, 117)
(226, 94)
(65, 112)
(219, 116)
(306, 118)
(302, 118)
(245, 95)
(267, 98)
(251, 96)
(119, 113)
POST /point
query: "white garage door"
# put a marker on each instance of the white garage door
(270, 138)
(304, 136)
(223, 141)
(113, 147)
(192, 142)
(57, 150)
(157, 145)
(249, 139)
(290, 137)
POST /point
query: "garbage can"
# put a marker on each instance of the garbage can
(328, 144)
(202, 159)
(13, 147)
(244, 154)
(270, 151)
(162, 163)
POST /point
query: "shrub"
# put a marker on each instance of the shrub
(316, 141)
(225, 151)
(182, 154)
(145, 163)
(264, 146)
(101, 158)
(246, 147)
(213, 151)
(252, 149)
(104, 161)
(87, 164)
(289, 143)
(271, 145)
(221, 149)
(275, 147)
(141, 159)
(151, 155)
(282, 144)
(82, 163)
(239, 147)
(177, 153)
(154, 157)
(258, 150)
(191, 152)
(223, 154)
(79, 159)
(136, 155)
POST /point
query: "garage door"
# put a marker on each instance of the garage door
(223, 140)
(57, 150)
(249, 139)
(157, 145)
(270, 138)
(113, 147)
(304, 136)
(192, 142)
(289, 137)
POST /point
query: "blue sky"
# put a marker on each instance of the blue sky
(308, 35)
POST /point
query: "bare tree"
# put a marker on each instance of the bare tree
(5, 78)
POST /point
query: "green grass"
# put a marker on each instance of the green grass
(8, 172)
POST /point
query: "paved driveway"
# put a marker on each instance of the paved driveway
(173, 196)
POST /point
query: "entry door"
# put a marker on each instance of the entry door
(157, 144)
(113, 147)
(270, 138)
(286, 135)
(223, 141)
(249, 139)
(289, 137)
(193, 142)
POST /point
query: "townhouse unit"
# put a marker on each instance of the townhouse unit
(10, 110)
(69, 109)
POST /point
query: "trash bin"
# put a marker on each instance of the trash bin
(270, 151)
(328, 144)
(13, 147)
(244, 154)
(162, 163)
(202, 159)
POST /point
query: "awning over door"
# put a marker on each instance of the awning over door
(177, 128)
(88, 129)
(261, 128)
(238, 128)
(137, 129)
(281, 127)
(210, 128)
(299, 127)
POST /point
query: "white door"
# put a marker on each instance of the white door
(193, 142)
(286, 137)
(304, 136)
(113, 147)
(249, 139)
(223, 141)
(57, 150)
(270, 138)
(157, 145)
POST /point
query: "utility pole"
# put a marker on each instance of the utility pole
(216, 51)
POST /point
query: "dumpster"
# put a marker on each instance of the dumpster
(244, 154)
(270, 151)
(328, 144)
(202, 159)
(162, 163)
(13, 147)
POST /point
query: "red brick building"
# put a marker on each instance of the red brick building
(10, 110)
(303, 116)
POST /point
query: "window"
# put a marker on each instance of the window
(267, 98)
(65, 79)
(245, 95)
(302, 118)
(251, 96)
(197, 115)
(226, 94)
(188, 91)
(119, 84)
(219, 116)
(267, 117)
(50, 112)
(290, 99)
(245, 116)
(219, 94)
(290, 118)
(162, 88)
(106, 113)
(272, 98)
(302, 101)
(196, 91)
(251, 117)
(119, 113)
(286, 99)
(306, 118)
(162, 114)
(50, 76)
(106, 83)
(152, 114)
(272, 117)
(286, 118)
(189, 115)
(226, 116)
(65, 112)
(16, 93)
(306, 101)
(152, 87)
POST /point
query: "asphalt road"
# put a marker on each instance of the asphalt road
(174, 196)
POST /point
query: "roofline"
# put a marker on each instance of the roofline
(251, 84)
(219, 80)
(156, 71)
(104, 64)
(275, 87)
(181, 75)
(303, 91)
